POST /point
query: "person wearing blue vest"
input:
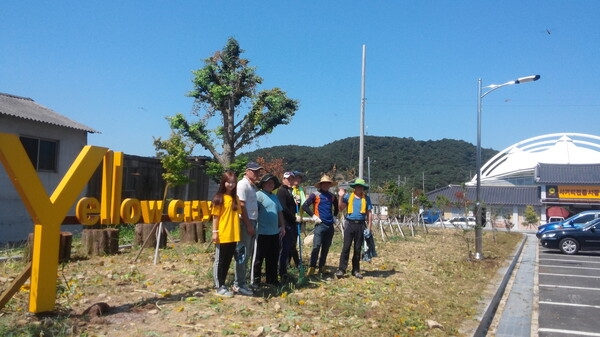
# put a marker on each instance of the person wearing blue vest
(358, 222)
(324, 210)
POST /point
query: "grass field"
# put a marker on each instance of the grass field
(421, 285)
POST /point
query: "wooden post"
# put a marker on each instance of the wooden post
(99, 242)
(64, 249)
(145, 233)
(14, 287)
(192, 232)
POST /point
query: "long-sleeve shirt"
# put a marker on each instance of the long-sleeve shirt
(284, 194)
(324, 204)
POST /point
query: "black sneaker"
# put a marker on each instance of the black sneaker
(339, 274)
(357, 275)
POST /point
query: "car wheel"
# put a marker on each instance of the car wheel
(569, 246)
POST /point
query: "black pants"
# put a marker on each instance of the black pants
(287, 243)
(224, 253)
(267, 250)
(353, 237)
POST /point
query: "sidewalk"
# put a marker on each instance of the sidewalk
(516, 315)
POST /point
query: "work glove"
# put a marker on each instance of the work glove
(367, 233)
(298, 219)
(316, 219)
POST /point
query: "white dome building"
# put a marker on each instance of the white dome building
(546, 172)
(516, 164)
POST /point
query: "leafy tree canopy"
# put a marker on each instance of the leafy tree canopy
(173, 153)
(226, 87)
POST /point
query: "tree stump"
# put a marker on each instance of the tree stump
(192, 232)
(64, 248)
(147, 231)
(99, 242)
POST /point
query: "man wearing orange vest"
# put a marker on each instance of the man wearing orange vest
(357, 221)
(324, 210)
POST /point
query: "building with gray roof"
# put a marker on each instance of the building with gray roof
(52, 142)
(560, 170)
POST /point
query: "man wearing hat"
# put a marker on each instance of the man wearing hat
(358, 222)
(288, 203)
(246, 192)
(324, 210)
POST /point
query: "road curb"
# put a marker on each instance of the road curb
(492, 306)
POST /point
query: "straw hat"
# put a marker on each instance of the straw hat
(325, 179)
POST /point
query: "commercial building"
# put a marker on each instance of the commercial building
(553, 173)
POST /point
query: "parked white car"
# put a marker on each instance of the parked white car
(463, 222)
(440, 222)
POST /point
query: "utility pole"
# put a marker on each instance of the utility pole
(361, 155)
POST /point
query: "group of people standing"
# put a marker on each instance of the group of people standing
(253, 223)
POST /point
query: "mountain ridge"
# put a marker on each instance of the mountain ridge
(416, 163)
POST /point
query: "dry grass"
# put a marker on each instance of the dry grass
(413, 280)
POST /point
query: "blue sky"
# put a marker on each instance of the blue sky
(121, 67)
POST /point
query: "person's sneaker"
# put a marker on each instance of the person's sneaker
(224, 292)
(311, 271)
(322, 270)
(243, 290)
(339, 274)
(357, 275)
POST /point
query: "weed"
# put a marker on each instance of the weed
(413, 279)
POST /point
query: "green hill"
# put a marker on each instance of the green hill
(404, 160)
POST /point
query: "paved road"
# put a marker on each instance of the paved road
(550, 295)
(517, 313)
(569, 294)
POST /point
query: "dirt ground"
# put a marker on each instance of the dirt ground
(409, 289)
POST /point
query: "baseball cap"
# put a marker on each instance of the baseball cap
(288, 174)
(253, 166)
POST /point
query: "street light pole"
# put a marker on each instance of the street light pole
(361, 155)
(480, 96)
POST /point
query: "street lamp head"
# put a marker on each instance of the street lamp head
(517, 81)
(527, 79)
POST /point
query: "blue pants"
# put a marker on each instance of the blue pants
(321, 243)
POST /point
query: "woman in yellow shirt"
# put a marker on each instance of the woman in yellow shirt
(226, 212)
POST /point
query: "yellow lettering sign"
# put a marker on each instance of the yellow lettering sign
(47, 212)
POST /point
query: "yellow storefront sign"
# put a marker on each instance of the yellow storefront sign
(579, 192)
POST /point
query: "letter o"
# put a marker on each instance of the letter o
(130, 210)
